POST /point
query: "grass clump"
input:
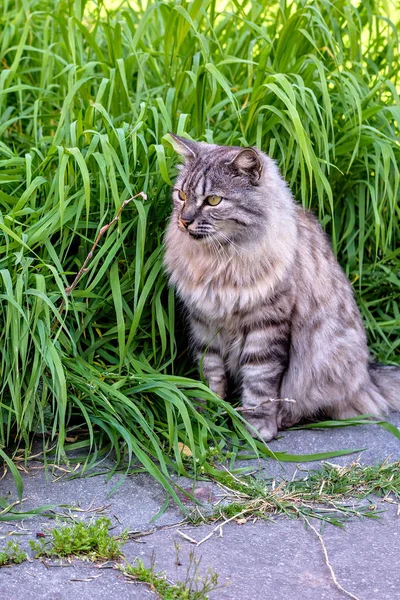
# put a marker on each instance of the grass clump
(355, 480)
(322, 494)
(92, 541)
(12, 554)
(195, 587)
(82, 540)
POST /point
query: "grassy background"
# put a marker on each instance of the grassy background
(88, 91)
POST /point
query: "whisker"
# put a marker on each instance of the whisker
(234, 246)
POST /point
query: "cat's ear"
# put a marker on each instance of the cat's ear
(185, 147)
(248, 162)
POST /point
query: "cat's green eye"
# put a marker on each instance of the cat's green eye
(182, 195)
(213, 200)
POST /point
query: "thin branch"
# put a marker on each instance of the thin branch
(102, 231)
(243, 409)
(187, 537)
(267, 401)
(328, 564)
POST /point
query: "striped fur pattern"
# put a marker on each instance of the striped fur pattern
(269, 306)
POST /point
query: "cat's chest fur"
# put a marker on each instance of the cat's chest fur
(223, 291)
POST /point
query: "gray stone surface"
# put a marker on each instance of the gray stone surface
(284, 559)
(36, 581)
(375, 445)
(280, 559)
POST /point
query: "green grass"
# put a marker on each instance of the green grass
(92, 541)
(332, 494)
(11, 554)
(83, 540)
(195, 586)
(88, 92)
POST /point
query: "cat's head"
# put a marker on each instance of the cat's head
(219, 193)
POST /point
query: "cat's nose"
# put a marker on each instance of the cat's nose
(186, 222)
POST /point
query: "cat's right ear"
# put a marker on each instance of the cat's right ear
(184, 147)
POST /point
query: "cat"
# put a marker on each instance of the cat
(268, 304)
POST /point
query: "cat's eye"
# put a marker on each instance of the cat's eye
(182, 195)
(213, 200)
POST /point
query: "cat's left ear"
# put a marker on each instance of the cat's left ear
(183, 146)
(248, 162)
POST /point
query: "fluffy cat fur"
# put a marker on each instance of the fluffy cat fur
(267, 301)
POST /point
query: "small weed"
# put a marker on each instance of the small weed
(81, 539)
(12, 554)
(195, 587)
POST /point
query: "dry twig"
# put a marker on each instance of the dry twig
(253, 408)
(102, 231)
(328, 564)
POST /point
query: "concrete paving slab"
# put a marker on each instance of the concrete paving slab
(277, 560)
(282, 559)
(375, 444)
(31, 581)
(285, 560)
(136, 502)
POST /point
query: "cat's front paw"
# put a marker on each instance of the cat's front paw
(266, 428)
(287, 416)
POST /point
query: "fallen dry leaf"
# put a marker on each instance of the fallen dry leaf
(183, 449)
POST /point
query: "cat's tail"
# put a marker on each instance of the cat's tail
(387, 380)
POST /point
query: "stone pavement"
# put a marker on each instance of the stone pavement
(275, 560)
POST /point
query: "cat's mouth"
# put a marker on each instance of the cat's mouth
(197, 235)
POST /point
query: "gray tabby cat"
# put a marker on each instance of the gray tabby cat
(268, 303)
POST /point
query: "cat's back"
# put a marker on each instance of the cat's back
(323, 292)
